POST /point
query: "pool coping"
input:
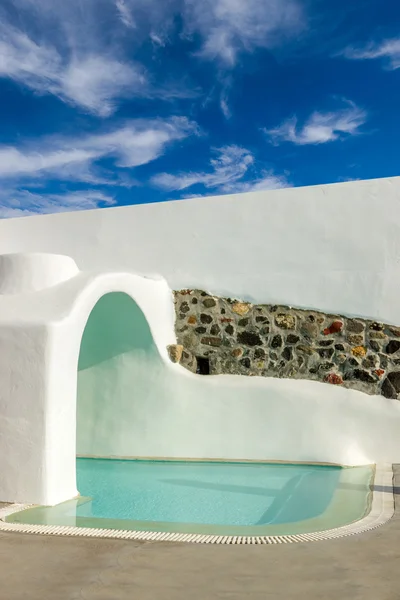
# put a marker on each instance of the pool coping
(382, 510)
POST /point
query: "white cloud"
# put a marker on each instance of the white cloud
(348, 179)
(226, 111)
(125, 13)
(226, 86)
(97, 82)
(267, 181)
(141, 141)
(320, 127)
(22, 203)
(93, 81)
(16, 162)
(188, 196)
(157, 39)
(136, 143)
(228, 27)
(388, 49)
(64, 159)
(83, 51)
(229, 167)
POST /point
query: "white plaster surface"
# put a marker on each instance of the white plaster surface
(137, 403)
(31, 272)
(40, 337)
(331, 247)
(334, 248)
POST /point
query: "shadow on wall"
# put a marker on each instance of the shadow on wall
(116, 325)
(117, 367)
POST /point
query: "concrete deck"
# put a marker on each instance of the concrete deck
(365, 566)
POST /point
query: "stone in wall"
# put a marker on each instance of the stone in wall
(178, 354)
(225, 336)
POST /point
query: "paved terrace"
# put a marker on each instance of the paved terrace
(365, 566)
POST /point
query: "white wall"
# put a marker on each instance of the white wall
(333, 247)
(232, 417)
(131, 403)
(40, 338)
(135, 405)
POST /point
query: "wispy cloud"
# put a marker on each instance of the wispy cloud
(85, 52)
(389, 50)
(228, 169)
(96, 83)
(267, 180)
(22, 203)
(125, 13)
(229, 27)
(226, 82)
(226, 111)
(136, 143)
(81, 51)
(348, 179)
(75, 63)
(66, 160)
(320, 127)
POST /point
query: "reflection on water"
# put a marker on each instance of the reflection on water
(222, 495)
(302, 495)
(215, 493)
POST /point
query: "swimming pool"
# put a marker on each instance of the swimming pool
(218, 498)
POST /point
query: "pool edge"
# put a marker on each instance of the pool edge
(382, 510)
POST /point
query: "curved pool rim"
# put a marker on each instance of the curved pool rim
(381, 511)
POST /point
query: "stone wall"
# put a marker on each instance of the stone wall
(224, 336)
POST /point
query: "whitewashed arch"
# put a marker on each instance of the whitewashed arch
(40, 338)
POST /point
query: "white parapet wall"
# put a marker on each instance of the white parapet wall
(333, 248)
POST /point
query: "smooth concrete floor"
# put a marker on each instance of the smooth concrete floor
(365, 566)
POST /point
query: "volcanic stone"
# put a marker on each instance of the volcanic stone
(287, 353)
(360, 375)
(215, 329)
(276, 341)
(393, 346)
(175, 352)
(355, 326)
(243, 322)
(206, 318)
(249, 339)
(209, 302)
(325, 352)
(185, 307)
(241, 308)
(285, 321)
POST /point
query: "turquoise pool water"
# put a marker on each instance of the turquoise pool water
(211, 497)
(215, 493)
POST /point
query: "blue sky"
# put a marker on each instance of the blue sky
(114, 102)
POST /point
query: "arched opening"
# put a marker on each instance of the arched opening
(117, 368)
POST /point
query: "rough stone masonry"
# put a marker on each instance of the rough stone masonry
(224, 336)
